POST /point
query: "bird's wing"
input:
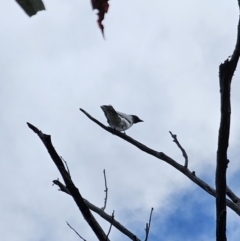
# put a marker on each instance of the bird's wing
(111, 114)
(125, 116)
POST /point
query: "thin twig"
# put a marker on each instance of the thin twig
(148, 225)
(110, 225)
(66, 165)
(180, 147)
(106, 191)
(75, 231)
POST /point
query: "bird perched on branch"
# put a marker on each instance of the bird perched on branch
(117, 120)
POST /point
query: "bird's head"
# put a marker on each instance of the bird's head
(136, 119)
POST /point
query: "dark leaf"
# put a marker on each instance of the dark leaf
(31, 7)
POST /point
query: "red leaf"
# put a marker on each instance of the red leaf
(102, 7)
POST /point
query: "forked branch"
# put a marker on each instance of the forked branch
(160, 155)
(148, 225)
(101, 213)
(180, 147)
(74, 192)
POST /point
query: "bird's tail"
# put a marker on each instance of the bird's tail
(110, 114)
(108, 108)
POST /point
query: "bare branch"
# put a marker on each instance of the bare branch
(46, 139)
(111, 224)
(236, 52)
(101, 213)
(76, 232)
(148, 225)
(180, 147)
(222, 160)
(106, 191)
(61, 186)
(226, 71)
(160, 155)
(233, 196)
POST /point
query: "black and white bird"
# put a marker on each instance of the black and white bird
(117, 120)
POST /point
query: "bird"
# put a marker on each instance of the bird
(117, 120)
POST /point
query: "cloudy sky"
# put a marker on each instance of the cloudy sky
(159, 61)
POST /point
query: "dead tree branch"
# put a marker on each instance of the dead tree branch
(101, 213)
(61, 186)
(46, 139)
(226, 71)
(180, 147)
(147, 229)
(106, 191)
(76, 232)
(111, 224)
(160, 155)
(232, 196)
